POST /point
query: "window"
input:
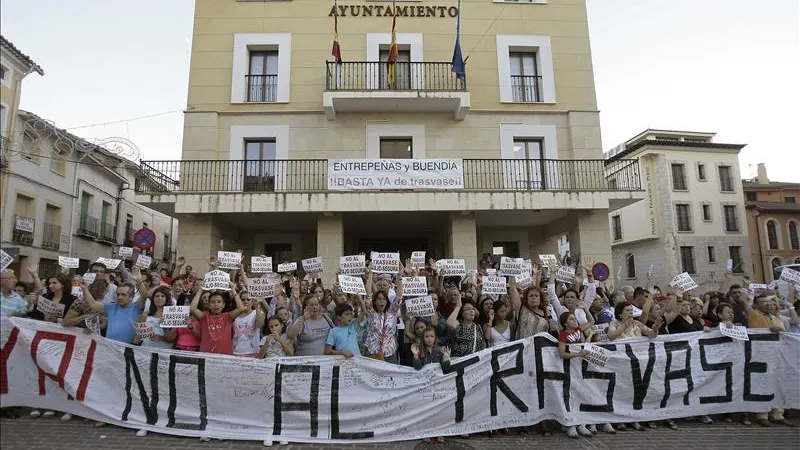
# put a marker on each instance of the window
(701, 172)
(3, 72)
(750, 196)
(145, 225)
(706, 212)
(167, 255)
(262, 77)
(630, 266)
(260, 165)
(725, 179)
(24, 220)
(772, 235)
(679, 177)
(616, 225)
(687, 259)
(712, 257)
(256, 75)
(128, 240)
(525, 79)
(87, 225)
(3, 111)
(683, 217)
(735, 255)
(530, 167)
(731, 219)
(396, 148)
(107, 228)
(776, 273)
(525, 69)
(402, 70)
(788, 200)
(793, 240)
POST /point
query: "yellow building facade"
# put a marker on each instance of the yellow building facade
(269, 110)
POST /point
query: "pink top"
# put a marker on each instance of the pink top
(216, 334)
(187, 338)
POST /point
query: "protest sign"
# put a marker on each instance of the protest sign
(597, 355)
(125, 252)
(110, 263)
(352, 285)
(494, 285)
(384, 262)
(601, 331)
(229, 260)
(312, 265)
(5, 259)
(287, 267)
(49, 307)
(175, 317)
(759, 289)
(352, 265)
(217, 280)
(511, 266)
(415, 286)
(418, 260)
(89, 277)
(737, 332)
(144, 261)
(262, 287)
(420, 306)
(203, 394)
(683, 282)
(790, 276)
(524, 281)
(260, 264)
(93, 324)
(566, 274)
(143, 330)
(68, 263)
(549, 260)
(394, 174)
(452, 267)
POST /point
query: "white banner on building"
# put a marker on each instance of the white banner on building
(25, 224)
(393, 174)
(512, 385)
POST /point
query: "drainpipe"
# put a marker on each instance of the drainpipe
(760, 253)
(119, 208)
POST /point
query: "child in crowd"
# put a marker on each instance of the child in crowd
(343, 338)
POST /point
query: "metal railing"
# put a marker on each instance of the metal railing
(408, 76)
(51, 236)
(311, 175)
(88, 226)
(108, 232)
(526, 88)
(262, 88)
(22, 237)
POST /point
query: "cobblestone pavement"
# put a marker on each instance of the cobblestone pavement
(51, 434)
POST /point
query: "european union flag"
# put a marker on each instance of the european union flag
(459, 66)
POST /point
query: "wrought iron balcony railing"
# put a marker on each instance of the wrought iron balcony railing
(408, 76)
(51, 236)
(311, 175)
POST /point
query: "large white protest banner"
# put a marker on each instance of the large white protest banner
(352, 265)
(393, 174)
(511, 385)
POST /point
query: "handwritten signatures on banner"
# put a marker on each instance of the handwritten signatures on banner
(332, 399)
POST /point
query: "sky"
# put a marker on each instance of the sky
(724, 66)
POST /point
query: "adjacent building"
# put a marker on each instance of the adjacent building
(69, 197)
(693, 219)
(279, 137)
(773, 223)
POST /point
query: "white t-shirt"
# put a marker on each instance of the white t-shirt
(246, 335)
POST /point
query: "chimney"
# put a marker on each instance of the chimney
(761, 177)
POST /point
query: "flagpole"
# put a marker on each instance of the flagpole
(458, 63)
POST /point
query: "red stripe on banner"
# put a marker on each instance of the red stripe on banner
(87, 372)
(66, 357)
(4, 354)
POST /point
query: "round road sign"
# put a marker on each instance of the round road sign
(600, 271)
(144, 238)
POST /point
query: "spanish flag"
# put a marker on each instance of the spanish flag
(392, 59)
(336, 51)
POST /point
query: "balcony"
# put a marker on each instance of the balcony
(108, 233)
(303, 185)
(88, 226)
(23, 230)
(262, 88)
(51, 237)
(418, 86)
(526, 88)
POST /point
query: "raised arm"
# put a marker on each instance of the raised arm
(193, 308)
(239, 305)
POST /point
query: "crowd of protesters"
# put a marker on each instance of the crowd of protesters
(306, 317)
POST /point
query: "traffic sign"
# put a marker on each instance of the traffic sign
(144, 238)
(600, 271)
